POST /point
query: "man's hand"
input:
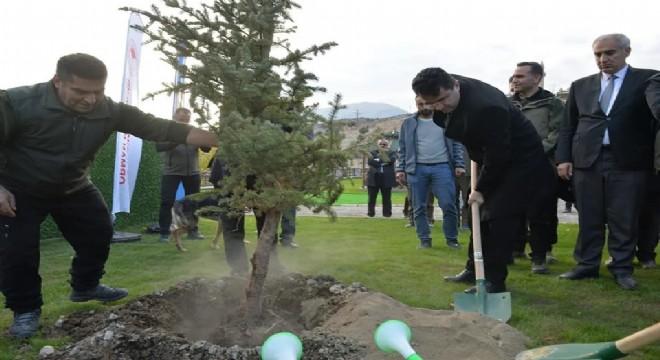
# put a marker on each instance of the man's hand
(476, 196)
(459, 171)
(7, 203)
(201, 137)
(400, 175)
(565, 170)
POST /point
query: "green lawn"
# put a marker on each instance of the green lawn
(354, 194)
(380, 253)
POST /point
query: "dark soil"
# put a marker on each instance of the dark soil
(204, 319)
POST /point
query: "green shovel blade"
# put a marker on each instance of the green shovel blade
(496, 305)
(597, 351)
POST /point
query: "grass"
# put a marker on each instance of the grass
(379, 253)
(354, 194)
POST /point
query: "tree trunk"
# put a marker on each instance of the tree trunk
(260, 260)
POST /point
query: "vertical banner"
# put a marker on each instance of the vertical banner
(178, 102)
(179, 80)
(129, 147)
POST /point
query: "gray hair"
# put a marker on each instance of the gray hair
(623, 40)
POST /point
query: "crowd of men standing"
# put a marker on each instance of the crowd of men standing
(597, 151)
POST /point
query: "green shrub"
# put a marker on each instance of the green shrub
(146, 196)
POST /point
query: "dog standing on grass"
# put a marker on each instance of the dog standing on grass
(186, 213)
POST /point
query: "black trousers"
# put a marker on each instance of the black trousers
(606, 194)
(497, 245)
(649, 222)
(233, 233)
(386, 195)
(539, 227)
(462, 194)
(169, 184)
(84, 220)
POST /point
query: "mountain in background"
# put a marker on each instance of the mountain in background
(364, 110)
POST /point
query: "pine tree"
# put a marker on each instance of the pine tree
(247, 83)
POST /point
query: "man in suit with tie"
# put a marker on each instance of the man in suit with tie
(606, 145)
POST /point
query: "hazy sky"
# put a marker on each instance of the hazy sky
(382, 43)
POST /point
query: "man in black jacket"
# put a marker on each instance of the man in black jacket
(180, 166)
(381, 178)
(49, 135)
(545, 110)
(515, 172)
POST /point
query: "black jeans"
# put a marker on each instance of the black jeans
(168, 187)
(84, 220)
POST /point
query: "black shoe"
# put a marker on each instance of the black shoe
(490, 288)
(195, 236)
(626, 282)
(465, 276)
(291, 245)
(576, 274)
(424, 246)
(649, 264)
(102, 293)
(453, 244)
(25, 324)
(519, 254)
(371, 215)
(540, 266)
(164, 238)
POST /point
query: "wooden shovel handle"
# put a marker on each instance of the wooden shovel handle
(635, 341)
(476, 228)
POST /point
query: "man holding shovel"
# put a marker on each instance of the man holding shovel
(514, 170)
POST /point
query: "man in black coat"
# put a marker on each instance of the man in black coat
(605, 145)
(381, 177)
(515, 172)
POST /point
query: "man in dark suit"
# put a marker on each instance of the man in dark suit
(515, 172)
(606, 145)
(381, 177)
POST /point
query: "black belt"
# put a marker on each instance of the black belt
(606, 147)
(431, 164)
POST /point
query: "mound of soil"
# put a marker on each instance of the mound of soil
(203, 319)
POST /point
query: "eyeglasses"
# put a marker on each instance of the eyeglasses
(382, 144)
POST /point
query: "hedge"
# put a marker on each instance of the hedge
(146, 196)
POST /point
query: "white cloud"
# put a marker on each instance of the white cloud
(382, 43)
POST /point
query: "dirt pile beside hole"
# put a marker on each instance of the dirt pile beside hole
(203, 319)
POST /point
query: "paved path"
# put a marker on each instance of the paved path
(397, 211)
